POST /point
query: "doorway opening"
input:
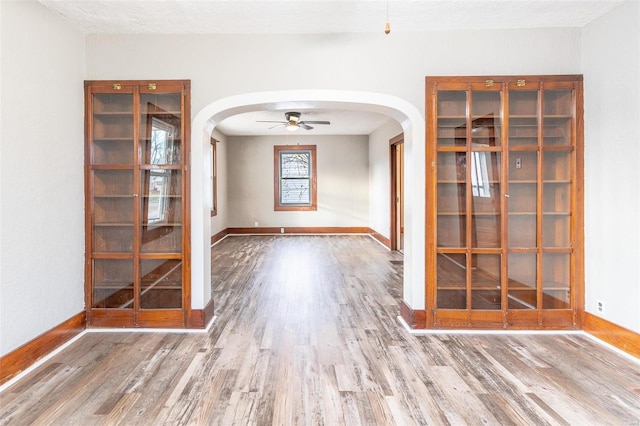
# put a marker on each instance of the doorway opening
(396, 160)
(405, 113)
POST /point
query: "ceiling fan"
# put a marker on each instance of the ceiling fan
(293, 122)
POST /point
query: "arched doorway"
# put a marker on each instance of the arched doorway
(402, 111)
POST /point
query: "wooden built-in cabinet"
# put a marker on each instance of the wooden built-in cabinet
(137, 228)
(504, 236)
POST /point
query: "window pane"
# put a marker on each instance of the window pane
(295, 191)
(295, 164)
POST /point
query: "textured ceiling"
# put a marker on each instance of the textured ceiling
(317, 17)
(321, 16)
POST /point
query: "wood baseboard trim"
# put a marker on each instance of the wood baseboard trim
(300, 230)
(381, 238)
(217, 237)
(26, 355)
(200, 317)
(416, 319)
(615, 335)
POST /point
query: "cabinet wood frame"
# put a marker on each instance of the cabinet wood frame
(538, 318)
(137, 316)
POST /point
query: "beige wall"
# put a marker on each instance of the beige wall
(343, 182)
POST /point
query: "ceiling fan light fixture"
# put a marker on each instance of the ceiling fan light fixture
(292, 126)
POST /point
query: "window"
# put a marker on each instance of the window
(295, 177)
(214, 177)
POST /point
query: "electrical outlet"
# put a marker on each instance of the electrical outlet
(600, 307)
(282, 230)
(518, 162)
(255, 223)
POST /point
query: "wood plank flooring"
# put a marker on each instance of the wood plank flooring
(307, 334)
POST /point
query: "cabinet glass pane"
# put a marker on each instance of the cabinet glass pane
(160, 128)
(451, 281)
(452, 118)
(556, 275)
(523, 199)
(523, 117)
(556, 206)
(486, 200)
(161, 211)
(112, 152)
(113, 283)
(161, 284)
(113, 211)
(114, 183)
(451, 220)
(522, 281)
(485, 282)
(557, 166)
(486, 118)
(558, 115)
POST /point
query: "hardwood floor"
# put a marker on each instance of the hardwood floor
(307, 333)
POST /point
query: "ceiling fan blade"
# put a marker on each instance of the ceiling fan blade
(316, 122)
(278, 125)
(304, 125)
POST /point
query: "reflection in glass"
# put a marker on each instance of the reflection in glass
(523, 118)
(161, 284)
(522, 286)
(112, 283)
(452, 281)
(485, 282)
(556, 278)
(486, 199)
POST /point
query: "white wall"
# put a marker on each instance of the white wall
(42, 184)
(611, 63)
(219, 222)
(380, 177)
(342, 179)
